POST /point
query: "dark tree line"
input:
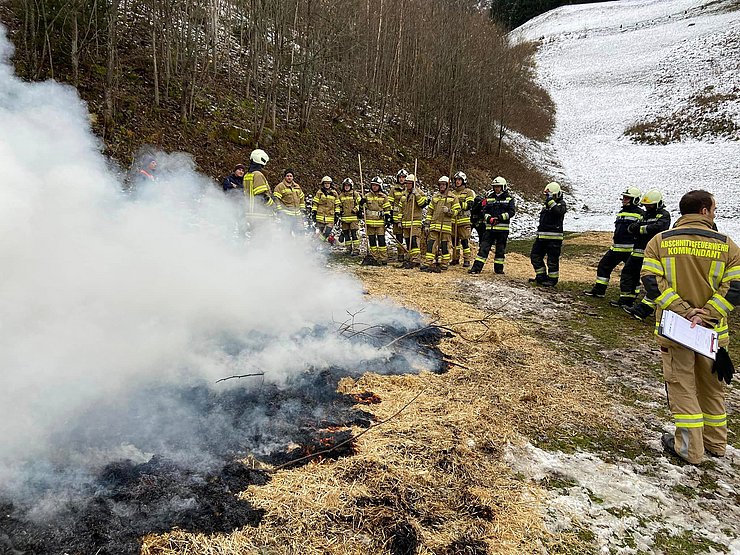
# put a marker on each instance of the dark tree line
(512, 13)
(435, 69)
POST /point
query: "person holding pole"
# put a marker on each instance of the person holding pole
(414, 201)
(377, 209)
(462, 226)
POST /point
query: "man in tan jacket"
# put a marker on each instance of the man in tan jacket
(694, 271)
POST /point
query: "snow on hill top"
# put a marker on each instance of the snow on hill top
(610, 66)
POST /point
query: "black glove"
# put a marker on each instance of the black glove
(336, 219)
(363, 200)
(313, 216)
(388, 221)
(723, 366)
(633, 228)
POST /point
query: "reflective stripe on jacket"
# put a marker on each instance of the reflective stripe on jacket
(376, 208)
(326, 205)
(442, 212)
(290, 198)
(623, 240)
(501, 207)
(466, 198)
(693, 266)
(257, 194)
(413, 204)
(551, 219)
(349, 204)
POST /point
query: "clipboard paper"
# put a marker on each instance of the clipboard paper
(699, 339)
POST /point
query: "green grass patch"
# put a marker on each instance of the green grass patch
(609, 445)
(686, 543)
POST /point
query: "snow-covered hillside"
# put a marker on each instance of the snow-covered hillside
(611, 65)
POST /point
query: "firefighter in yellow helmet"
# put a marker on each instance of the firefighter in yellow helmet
(655, 220)
(349, 213)
(549, 241)
(443, 209)
(377, 209)
(414, 201)
(290, 201)
(694, 271)
(623, 242)
(396, 197)
(461, 227)
(257, 194)
(325, 209)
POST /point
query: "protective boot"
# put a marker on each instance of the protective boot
(498, 268)
(425, 268)
(641, 312)
(550, 282)
(623, 301)
(477, 267)
(598, 290)
(539, 279)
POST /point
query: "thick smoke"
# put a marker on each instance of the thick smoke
(109, 301)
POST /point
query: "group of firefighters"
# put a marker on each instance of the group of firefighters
(440, 224)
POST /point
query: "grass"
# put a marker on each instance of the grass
(570, 250)
(686, 543)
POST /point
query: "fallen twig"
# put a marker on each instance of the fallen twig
(240, 376)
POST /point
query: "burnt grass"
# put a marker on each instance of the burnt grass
(192, 487)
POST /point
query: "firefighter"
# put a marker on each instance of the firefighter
(694, 271)
(325, 210)
(462, 226)
(549, 241)
(414, 201)
(655, 219)
(622, 244)
(377, 209)
(235, 181)
(349, 211)
(259, 201)
(442, 212)
(290, 201)
(498, 208)
(398, 193)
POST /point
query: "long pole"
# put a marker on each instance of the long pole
(413, 205)
(454, 230)
(366, 240)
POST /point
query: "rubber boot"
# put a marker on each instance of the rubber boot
(641, 312)
(498, 268)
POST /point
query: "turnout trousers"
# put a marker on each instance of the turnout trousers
(493, 237)
(376, 243)
(697, 400)
(550, 248)
(411, 242)
(438, 243)
(629, 279)
(462, 243)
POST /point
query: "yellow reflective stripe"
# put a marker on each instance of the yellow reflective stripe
(602, 280)
(666, 298)
(716, 269)
(652, 265)
(732, 273)
(689, 420)
(629, 216)
(715, 420)
(621, 249)
(720, 304)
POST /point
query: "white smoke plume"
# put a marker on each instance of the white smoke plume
(102, 294)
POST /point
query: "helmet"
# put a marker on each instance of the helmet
(411, 177)
(653, 196)
(461, 175)
(326, 179)
(349, 182)
(259, 156)
(444, 180)
(376, 181)
(501, 182)
(553, 189)
(634, 193)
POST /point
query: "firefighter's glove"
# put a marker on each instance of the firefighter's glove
(388, 221)
(425, 226)
(550, 203)
(484, 202)
(723, 366)
(336, 219)
(446, 209)
(492, 220)
(363, 200)
(633, 228)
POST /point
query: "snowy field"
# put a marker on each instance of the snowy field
(609, 66)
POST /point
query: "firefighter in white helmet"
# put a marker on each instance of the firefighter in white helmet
(349, 213)
(498, 209)
(256, 188)
(461, 227)
(549, 241)
(442, 211)
(623, 242)
(377, 208)
(396, 197)
(655, 220)
(414, 201)
(325, 209)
